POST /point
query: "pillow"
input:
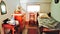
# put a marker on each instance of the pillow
(43, 15)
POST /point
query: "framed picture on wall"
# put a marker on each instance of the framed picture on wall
(3, 8)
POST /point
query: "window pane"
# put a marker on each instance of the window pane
(32, 8)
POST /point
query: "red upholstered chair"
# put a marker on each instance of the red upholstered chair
(8, 26)
(19, 18)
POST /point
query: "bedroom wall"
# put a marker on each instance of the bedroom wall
(55, 10)
(44, 4)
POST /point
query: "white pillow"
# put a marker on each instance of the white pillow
(43, 15)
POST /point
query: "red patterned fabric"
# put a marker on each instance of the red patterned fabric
(7, 26)
(19, 18)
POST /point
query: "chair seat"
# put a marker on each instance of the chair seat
(7, 26)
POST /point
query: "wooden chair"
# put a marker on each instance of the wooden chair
(32, 18)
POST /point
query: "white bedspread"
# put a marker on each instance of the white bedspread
(47, 22)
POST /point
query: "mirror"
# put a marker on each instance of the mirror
(56, 1)
(3, 8)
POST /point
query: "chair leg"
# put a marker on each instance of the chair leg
(13, 30)
(4, 31)
(41, 30)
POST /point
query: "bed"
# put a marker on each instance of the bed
(46, 21)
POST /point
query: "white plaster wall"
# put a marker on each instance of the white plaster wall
(45, 4)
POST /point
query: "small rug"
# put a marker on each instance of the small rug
(32, 31)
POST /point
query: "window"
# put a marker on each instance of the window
(33, 8)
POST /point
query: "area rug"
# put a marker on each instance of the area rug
(32, 31)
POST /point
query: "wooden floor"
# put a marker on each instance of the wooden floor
(27, 27)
